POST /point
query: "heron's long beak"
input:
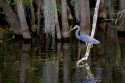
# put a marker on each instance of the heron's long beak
(71, 29)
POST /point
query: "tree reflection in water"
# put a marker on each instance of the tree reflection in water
(23, 62)
(20, 63)
(50, 70)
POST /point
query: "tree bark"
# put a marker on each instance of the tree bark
(22, 19)
(65, 25)
(85, 16)
(11, 17)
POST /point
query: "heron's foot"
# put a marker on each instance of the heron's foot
(91, 45)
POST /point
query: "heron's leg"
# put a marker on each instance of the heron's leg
(91, 45)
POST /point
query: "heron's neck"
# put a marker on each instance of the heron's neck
(77, 33)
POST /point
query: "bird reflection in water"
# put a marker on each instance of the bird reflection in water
(90, 77)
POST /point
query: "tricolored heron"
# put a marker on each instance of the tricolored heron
(84, 37)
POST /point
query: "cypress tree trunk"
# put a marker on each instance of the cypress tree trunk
(65, 25)
(49, 20)
(33, 19)
(38, 2)
(122, 7)
(58, 33)
(22, 19)
(102, 16)
(85, 16)
(77, 10)
(11, 17)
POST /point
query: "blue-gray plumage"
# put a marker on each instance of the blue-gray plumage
(83, 37)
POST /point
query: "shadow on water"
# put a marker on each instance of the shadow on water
(20, 62)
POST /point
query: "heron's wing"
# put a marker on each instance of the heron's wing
(88, 39)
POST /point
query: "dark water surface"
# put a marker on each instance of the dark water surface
(23, 63)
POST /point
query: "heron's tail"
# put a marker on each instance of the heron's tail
(95, 41)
